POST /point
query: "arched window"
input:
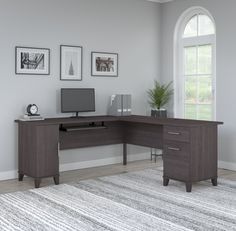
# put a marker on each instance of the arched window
(195, 65)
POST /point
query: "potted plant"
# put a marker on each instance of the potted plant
(159, 96)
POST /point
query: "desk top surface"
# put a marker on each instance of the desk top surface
(130, 119)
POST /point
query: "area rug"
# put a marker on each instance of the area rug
(124, 202)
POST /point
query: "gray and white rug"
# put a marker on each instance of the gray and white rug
(130, 201)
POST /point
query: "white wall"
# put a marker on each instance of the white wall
(128, 27)
(225, 17)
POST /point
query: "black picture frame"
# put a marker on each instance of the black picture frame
(104, 71)
(77, 73)
(39, 63)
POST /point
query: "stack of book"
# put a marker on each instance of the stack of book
(27, 117)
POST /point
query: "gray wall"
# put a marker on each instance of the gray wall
(128, 27)
(225, 17)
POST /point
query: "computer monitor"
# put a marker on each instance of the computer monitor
(77, 100)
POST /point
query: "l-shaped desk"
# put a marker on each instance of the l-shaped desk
(189, 146)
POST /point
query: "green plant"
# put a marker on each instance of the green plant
(160, 94)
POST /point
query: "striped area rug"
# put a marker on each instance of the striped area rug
(129, 201)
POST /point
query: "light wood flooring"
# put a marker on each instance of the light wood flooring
(89, 173)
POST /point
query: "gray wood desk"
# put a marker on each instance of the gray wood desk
(189, 146)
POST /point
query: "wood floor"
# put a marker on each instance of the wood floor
(82, 174)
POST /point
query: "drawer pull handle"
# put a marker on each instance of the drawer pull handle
(174, 133)
(174, 149)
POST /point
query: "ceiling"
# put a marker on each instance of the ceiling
(161, 1)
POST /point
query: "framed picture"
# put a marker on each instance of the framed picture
(104, 64)
(71, 62)
(32, 61)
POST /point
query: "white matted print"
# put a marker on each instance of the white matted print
(104, 64)
(32, 61)
(71, 62)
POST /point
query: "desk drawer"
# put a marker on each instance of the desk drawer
(176, 169)
(176, 133)
(177, 150)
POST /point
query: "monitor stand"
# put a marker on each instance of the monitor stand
(77, 115)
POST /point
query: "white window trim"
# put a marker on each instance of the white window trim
(179, 43)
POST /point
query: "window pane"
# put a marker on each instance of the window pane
(205, 59)
(205, 112)
(191, 28)
(190, 66)
(205, 25)
(197, 69)
(191, 90)
(205, 90)
(190, 111)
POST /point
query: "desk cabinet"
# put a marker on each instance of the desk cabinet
(38, 152)
(190, 154)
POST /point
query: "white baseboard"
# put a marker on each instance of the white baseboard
(8, 175)
(227, 165)
(102, 162)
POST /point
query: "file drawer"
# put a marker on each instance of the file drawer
(176, 169)
(176, 149)
(176, 133)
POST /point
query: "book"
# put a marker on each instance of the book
(31, 118)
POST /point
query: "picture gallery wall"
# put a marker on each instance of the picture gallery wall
(36, 61)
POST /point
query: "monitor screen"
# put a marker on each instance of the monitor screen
(77, 99)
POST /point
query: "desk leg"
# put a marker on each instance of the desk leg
(37, 182)
(56, 180)
(20, 177)
(214, 181)
(124, 154)
(165, 181)
(188, 186)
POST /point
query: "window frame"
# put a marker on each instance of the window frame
(179, 43)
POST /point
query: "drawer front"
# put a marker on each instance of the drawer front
(177, 150)
(176, 170)
(176, 133)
